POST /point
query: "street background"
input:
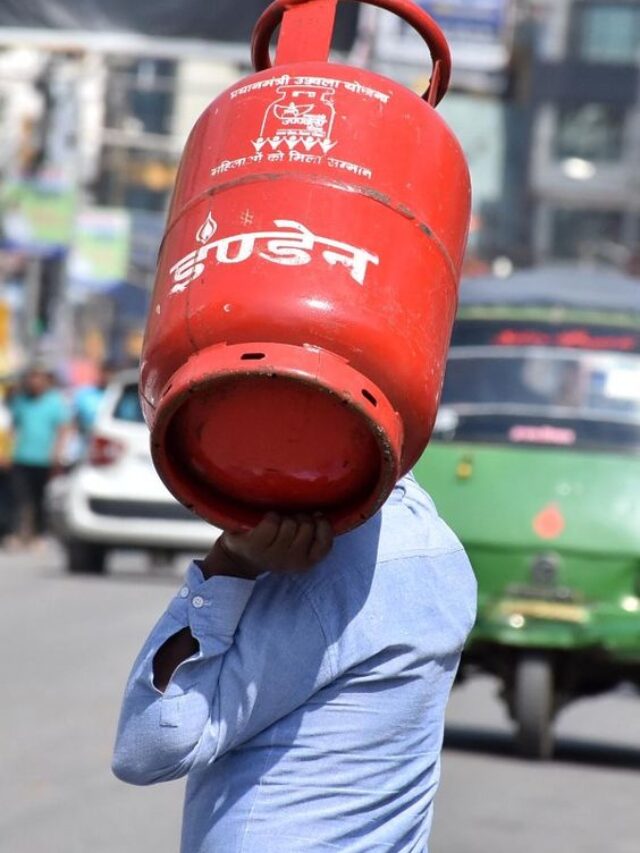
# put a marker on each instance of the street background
(69, 643)
(97, 98)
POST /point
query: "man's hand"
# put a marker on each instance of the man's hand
(278, 544)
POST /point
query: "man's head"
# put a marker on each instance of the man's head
(106, 372)
(37, 380)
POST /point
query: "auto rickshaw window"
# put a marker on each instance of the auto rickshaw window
(544, 395)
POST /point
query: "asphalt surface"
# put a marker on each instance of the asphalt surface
(68, 643)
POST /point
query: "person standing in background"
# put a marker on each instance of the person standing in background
(40, 421)
(5, 464)
(86, 403)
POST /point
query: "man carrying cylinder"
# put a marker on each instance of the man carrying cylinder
(299, 677)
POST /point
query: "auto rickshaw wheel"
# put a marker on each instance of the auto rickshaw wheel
(533, 706)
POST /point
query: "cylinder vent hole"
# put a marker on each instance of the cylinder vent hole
(369, 396)
(252, 356)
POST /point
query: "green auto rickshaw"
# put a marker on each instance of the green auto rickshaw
(535, 463)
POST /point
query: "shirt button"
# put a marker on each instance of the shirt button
(184, 592)
(198, 601)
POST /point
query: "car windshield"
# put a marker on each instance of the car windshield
(539, 395)
(128, 407)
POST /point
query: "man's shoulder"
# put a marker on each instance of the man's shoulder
(411, 525)
(20, 407)
(54, 396)
(407, 527)
(402, 569)
(56, 402)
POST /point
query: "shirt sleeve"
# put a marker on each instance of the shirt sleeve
(262, 653)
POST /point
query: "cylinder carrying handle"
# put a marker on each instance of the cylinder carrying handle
(307, 29)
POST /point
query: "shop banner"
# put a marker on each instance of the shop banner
(100, 253)
(38, 215)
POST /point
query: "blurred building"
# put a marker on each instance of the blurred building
(481, 36)
(574, 138)
(96, 102)
(545, 99)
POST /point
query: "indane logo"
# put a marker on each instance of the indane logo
(290, 244)
(302, 116)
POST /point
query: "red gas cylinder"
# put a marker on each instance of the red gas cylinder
(307, 282)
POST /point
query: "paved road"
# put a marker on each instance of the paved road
(67, 644)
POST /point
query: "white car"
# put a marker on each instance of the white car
(114, 498)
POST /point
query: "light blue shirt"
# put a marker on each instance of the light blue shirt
(312, 717)
(37, 421)
(86, 404)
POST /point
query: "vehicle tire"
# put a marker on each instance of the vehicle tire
(85, 558)
(534, 706)
(160, 559)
